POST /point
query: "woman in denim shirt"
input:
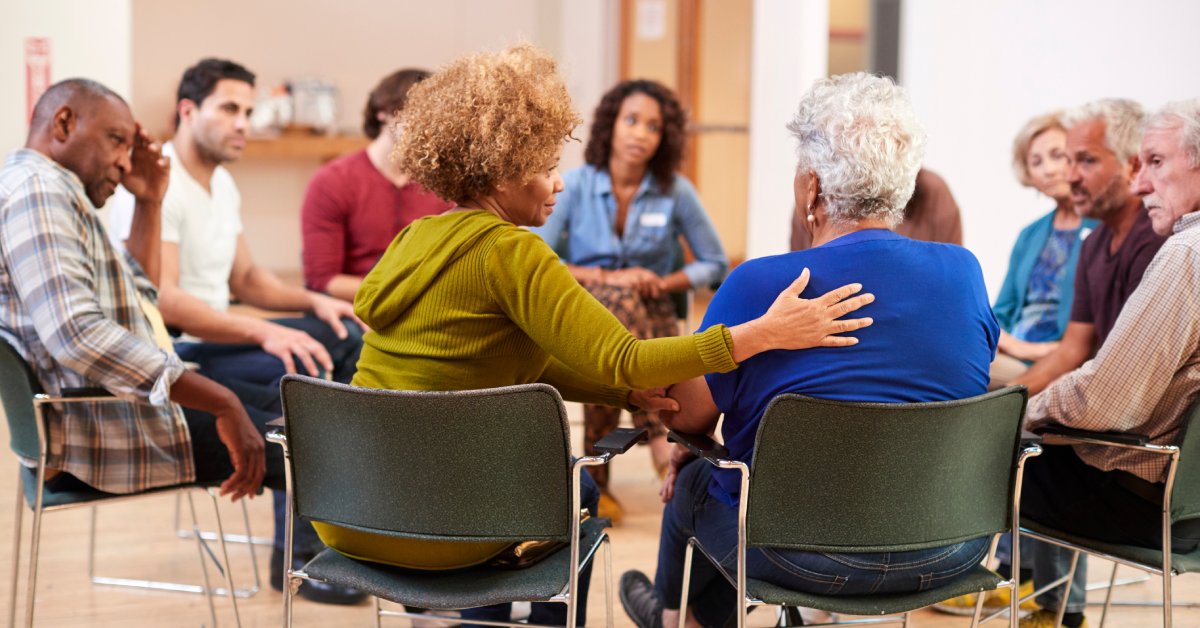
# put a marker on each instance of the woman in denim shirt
(617, 226)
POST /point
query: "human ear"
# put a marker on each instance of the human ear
(63, 123)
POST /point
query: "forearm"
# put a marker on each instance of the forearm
(575, 387)
(263, 289)
(196, 318)
(677, 281)
(1043, 372)
(1020, 349)
(145, 237)
(197, 392)
(343, 287)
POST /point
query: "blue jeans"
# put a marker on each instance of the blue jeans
(550, 613)
(694, 512)
(249, 365)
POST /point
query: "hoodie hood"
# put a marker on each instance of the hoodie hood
(415, 259)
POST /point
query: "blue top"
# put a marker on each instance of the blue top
(581, 230)
(1038, 321)
(1014, 292)
(933, 337)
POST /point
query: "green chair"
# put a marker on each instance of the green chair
(477, 465)
(1181, 501)
(830, 476)
(24, 404)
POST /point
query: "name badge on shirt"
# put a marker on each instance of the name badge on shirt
(654, 220)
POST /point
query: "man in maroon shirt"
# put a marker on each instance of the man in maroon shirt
(1103, 138)
(355, 205)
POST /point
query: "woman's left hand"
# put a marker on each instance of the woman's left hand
(653, 400)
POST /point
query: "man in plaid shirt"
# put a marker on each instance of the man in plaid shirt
(1144, 379)
(82, 314)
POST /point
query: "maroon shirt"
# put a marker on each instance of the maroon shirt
(350, 215)
(1103, 282)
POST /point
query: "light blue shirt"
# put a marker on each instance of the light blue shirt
(581, 230)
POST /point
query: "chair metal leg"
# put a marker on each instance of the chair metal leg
(1167, 610)
(1062, 605)
(687, 582)
(608, 584)
(378, 616)
(1112, 583)
(18, 513)
(186, 533)
(212, 493)
(34, 546)
(208, 594)
(907, 616)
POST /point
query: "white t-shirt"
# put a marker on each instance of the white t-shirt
(205, 226)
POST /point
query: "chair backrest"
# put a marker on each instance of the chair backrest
(477, 465)
(1185, 495)
(865, 477)
(18, 385)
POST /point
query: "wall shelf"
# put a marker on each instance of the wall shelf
(303, 146)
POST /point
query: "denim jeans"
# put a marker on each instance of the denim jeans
(694, 512)
(550, 613)
(248, 364)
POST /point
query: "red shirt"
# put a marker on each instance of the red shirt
(350, 215)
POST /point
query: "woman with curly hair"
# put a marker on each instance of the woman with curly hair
(617, 227)
(469, 299)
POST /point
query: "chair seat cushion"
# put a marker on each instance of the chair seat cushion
(1180, 563)
(976, 580)
(82, 493)
(478, 586)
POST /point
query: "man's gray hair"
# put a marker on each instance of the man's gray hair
(1186, 115)
(1122, 118)
(859, 134)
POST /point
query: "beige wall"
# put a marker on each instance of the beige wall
(87, 39)
(723, 115)
(354, 43)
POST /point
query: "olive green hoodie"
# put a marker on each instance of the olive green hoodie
(466, 300)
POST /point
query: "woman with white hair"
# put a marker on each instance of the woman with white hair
(859, 149)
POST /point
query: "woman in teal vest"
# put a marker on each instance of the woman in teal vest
(1034, 303)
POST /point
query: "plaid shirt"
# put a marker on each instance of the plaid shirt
(69, 304)
(1147, 374)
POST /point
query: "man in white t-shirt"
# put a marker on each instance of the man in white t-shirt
(205, 258)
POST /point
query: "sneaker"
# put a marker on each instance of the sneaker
(319, 592)
(1044, 619)
(965, 604)
(640, 600)
(610, 508)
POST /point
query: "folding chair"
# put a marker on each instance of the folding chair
(24, 405)
(1181, 501)
(830, 476)
(476, 465)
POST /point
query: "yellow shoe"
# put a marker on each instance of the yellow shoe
(610, 508)
(1044, 619)
(965, 604)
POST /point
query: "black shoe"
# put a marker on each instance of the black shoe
(640, 600)
(319, 592)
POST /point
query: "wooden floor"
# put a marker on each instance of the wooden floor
(137, 539)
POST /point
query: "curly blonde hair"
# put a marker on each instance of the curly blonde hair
(483, 120)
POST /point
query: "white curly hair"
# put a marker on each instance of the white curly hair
(1122, 118)
(859, 134)
(1186, 115)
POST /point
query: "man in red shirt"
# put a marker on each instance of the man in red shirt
(356, 204)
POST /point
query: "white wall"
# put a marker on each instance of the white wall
(978, 70)
(89, 39)
(791, 50)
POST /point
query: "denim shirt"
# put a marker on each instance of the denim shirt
(580, 230)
